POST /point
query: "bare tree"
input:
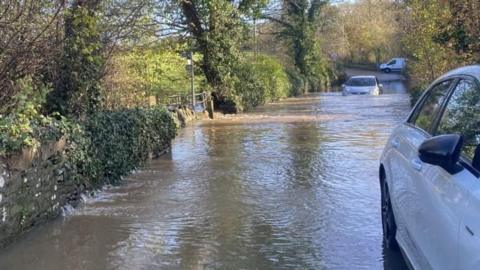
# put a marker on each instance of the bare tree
(29, 40)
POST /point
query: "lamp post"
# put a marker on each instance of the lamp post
(192, 78)
(255, 46)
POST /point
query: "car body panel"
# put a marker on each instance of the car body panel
(400, 151)
(362, 90)
(469, 229)
(437, 213)
(437, 218)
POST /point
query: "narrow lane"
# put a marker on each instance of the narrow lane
(291, 186)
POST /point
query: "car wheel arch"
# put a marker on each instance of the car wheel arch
(381, 174)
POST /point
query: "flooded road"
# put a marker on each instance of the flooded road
(291, 186)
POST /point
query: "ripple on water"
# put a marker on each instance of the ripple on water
(292, 185)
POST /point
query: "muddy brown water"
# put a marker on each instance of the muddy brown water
(292, 185)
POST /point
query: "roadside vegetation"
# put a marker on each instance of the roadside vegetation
(435, 36)
(87, 70)
(93, 65)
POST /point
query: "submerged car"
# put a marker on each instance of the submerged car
(429, 177)
(362, 85)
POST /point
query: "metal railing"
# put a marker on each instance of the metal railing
(185, 100)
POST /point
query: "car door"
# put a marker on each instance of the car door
(456, 198)
(405, 173)
(392, 64)
(402, 64)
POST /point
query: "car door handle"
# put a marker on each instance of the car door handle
(417, 164)
(395, 142)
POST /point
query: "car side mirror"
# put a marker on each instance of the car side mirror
(443, 151)
(380, 85)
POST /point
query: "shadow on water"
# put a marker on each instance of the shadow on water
(291, 185)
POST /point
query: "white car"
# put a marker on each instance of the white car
(429, 177)
(395, 64)
(360, 85)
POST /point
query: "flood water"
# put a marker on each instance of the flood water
(291, 186)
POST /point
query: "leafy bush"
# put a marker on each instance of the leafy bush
(25, 126)
(340, 75)
(249, 90)
(119, 141)
(260, 81)
(272, 76)
(104, 147)
(321, 77)
(27, 130)
(297, 82)
(135, 75)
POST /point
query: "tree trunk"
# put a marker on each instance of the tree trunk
(76, 91)
(196, 28)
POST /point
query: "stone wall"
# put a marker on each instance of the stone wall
(184, 115)
(34, 185)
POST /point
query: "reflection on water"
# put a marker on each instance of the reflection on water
(292, 185)
(395, 86)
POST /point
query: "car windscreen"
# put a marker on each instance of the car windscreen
(361, 82)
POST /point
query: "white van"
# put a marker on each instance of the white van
(395, 64)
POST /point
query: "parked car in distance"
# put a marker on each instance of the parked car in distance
(429, 176)
(395, 64)
(361, 85)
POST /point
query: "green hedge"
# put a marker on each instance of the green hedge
(102, 148)
(120, 141)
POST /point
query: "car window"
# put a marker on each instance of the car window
(393, 62)
(361, 82)
(425, 114)
(462, 115)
